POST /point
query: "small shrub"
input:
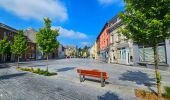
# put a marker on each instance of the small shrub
(143, 93)
(167, 91)
(38, 71)
(32, 70)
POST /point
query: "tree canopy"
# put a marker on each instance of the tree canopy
(20, 44)
(4, 46)
(47, 38)
(147, 21)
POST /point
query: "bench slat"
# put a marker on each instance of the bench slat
(93, 73)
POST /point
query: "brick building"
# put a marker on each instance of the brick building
(7, 31)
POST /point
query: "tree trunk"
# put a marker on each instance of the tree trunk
(47, 64)
(18, 62)
(157, 73)
(2, 58)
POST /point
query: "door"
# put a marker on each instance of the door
(127, 56)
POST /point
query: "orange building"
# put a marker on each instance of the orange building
(103, 42)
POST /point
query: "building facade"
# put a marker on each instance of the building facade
(121, 50)
(167, 46)
(103, 40)
(146, 54)
(7, 31)
(93, 51)
(70, 51)
(31, 53)
(61, 50)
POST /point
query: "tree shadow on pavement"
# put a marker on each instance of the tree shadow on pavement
(137, 76)
(65, 69)
(109, 96)
(2, 66)
(11, 76)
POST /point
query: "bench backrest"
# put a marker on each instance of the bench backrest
(94, 73)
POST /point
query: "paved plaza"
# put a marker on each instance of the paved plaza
(19, 85)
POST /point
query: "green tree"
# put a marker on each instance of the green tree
(79, 52)
(20, 45)
(147, 22)
(86, 52)
(4, 47)
(46, 38)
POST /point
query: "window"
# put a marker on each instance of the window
(4, 34)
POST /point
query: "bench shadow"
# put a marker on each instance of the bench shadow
(95, 80)
(109, 96)
(65, 69)
(11, 76)
(137, 76)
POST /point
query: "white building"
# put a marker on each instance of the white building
(61, 52)
(121, 50)
(125, 51)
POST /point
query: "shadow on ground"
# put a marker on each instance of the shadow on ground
(39, 65)
(2, 66)
(95, 80)
(137, 76)
(11, 76)
(109, 96)
(65, 69)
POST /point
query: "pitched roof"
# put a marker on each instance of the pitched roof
(31, 34)
(8, 27)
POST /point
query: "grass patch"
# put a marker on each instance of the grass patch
(37, 71)
(167, 91)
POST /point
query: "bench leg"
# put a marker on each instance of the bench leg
(102, 82)
(83, 78)
(80, 78)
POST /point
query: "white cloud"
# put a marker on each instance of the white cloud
(70, 33)
(84, 43)
(109, 2)
(36, 9)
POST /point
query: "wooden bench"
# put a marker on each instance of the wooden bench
(93, 73)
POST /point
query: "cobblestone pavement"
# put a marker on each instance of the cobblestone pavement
(17, 85)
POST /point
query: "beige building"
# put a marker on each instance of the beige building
(121, 50)
(93, 51)
(70, 51)
(125, 51)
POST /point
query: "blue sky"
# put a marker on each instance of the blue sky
(79, 21)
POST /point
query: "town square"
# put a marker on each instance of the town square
(85, 50)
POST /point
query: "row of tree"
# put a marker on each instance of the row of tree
(81, 52)
(46, 40)
(18, 47)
